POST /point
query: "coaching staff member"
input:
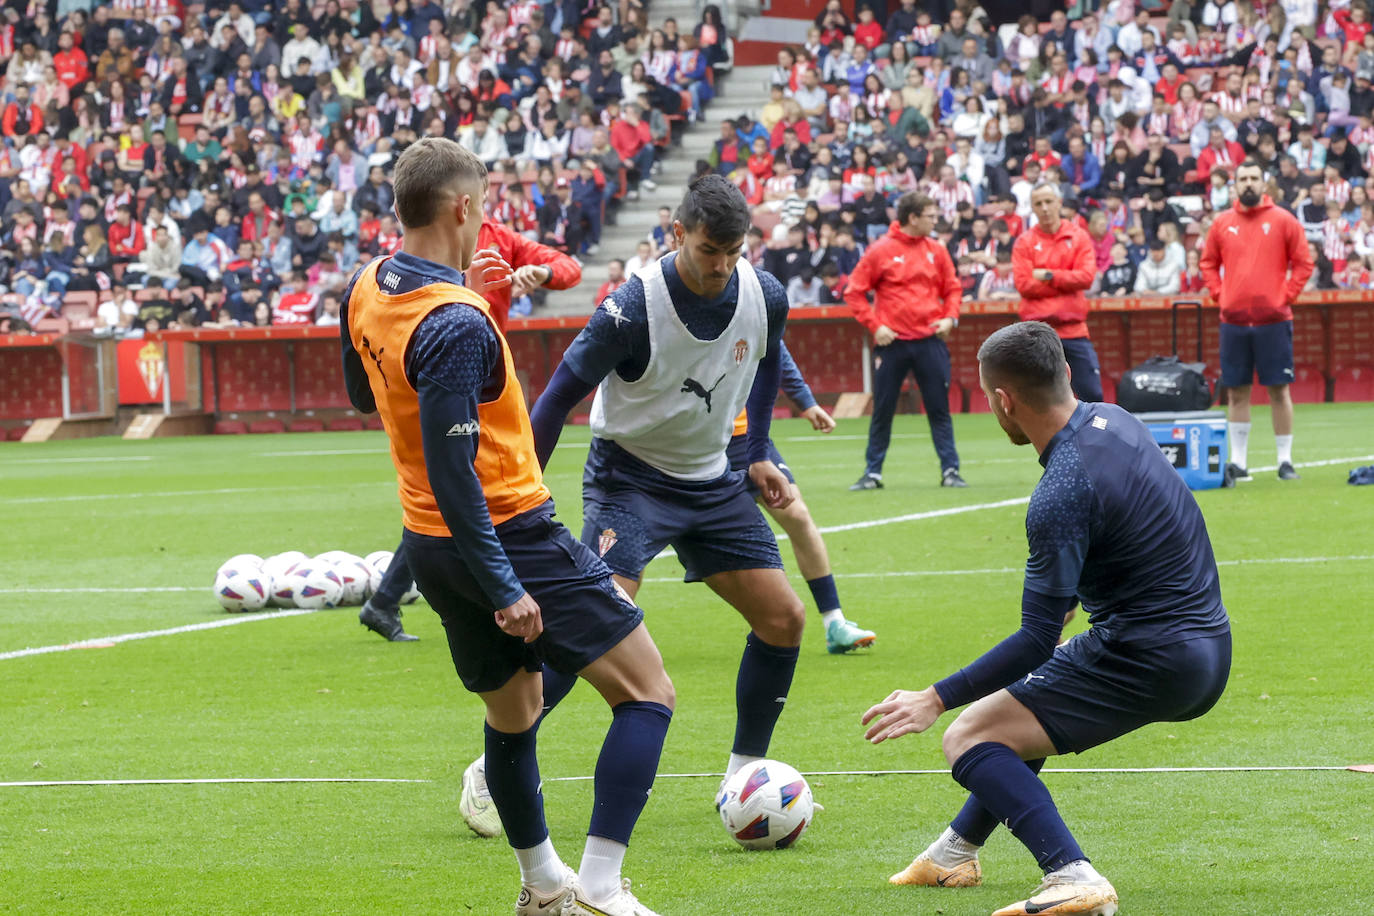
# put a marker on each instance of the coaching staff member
(1053, 265)
(915, 305)
(1261, 250)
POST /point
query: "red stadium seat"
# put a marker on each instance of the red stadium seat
(15, 433)
(306, 425)
(1355, 383)
(956, 398)
(230, 427)
(344, 424)
(268, 425)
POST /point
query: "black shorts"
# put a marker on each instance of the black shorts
(632, 511)
(1263, 348)
(1091, 691)
(737, 453)
(585, 615)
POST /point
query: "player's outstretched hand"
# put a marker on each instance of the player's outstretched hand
(773, 484)
(487, 273)
(820, 421)
(521, 619)
(902, 713)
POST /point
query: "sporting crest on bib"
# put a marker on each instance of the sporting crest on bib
(741, 350)
(606, 541)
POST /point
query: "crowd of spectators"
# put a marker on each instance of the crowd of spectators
(1141, 114)
(228, 163)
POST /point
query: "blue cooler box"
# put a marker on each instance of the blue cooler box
(1194, 442)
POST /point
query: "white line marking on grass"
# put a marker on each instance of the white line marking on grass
(76, 460)
(99, 591)
(324, 451)
(160, 494)
(1316, 464)
(232, 780)
(1065, 770)
(106, 641)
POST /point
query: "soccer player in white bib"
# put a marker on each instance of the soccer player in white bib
(674, 355)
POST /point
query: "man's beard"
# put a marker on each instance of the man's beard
(1249, 197)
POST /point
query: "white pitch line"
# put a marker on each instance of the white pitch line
(105, 641)
(232, 780)
(1316, 464)
(160, 494)
(99, 591)
(324, 451)
(1063, 770)
(80, 460)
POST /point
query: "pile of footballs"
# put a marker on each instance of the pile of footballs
(335, 578)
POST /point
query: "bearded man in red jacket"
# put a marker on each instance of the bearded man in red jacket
(1053, 264)
(1262, 249)
(916, 295)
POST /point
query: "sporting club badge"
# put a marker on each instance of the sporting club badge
(741, 350)
(1265, 227)
(606, 541)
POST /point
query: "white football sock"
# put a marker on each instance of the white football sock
(600, 871)
(1285, 448)
(1079, 871)
(540, 867)
(737, 761)
(1240, 443)
(951, 850)
(829, 617)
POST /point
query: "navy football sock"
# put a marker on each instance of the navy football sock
(513, 780)
(823, 590)
(1017, 798)
(626, 768)
(557, 685)
(975, 822)
(765, 676)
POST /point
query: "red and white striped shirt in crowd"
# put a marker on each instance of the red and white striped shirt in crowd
(1208, 50)
(118, 113)
(422, 95)
(1359, 136)
(388, 242)
(1368, 159)
(1338, 191)
(522, 218)
(219, 104)
(659, 64)
(1336, 242)
(306, 148)
(994, 282)
(114, 201)
(65, 229)
(495, 40)
(522, 12)
(1158, 123)
(125, 8)
(1057, 85)
(1186, 117)
(949, 198)
(1230, 104)
(367, 130)
(875, 102)
(6, 41)
(237, 178)
(295, 308)
(779, 187)
(967, 247)
(1098, 147)
(33, 310)
(925, 34)
(426, 49)
(563, 50)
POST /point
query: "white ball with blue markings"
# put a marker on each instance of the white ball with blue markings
(766, 805)
(243, 590)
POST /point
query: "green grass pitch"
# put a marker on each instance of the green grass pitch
(318, 696)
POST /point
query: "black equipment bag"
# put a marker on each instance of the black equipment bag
(1166, 383)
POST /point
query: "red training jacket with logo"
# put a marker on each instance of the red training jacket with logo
(913, 282)
(1267, 262)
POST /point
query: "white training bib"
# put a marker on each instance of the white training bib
(680, 414)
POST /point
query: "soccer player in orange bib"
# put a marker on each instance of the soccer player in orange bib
(514, 588)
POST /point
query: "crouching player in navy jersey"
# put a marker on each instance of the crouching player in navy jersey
(514, 589)
(1111, 524)
(674, 355)
(813, 560)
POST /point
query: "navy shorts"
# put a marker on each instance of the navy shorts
(631, 511)
(1266, 348)
(737, 453)
(1091, 691)
(1085, 374)
(585, 613)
